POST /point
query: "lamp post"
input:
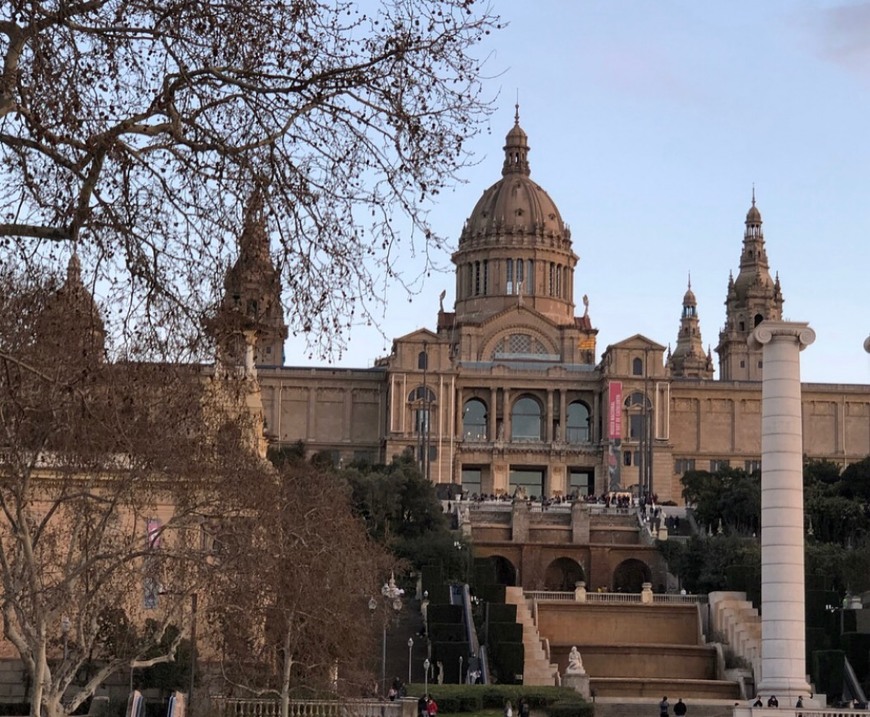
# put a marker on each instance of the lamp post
(64, 628)
(426, 664)
(392, 595)
(410, 648)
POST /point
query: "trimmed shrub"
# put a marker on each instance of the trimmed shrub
(570, 708)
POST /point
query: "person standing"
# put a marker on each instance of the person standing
(431, 708)
(664, 707)
(773, 702)
(680, 708)
(508, 709)
(524, 708)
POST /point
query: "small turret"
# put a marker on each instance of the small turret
(688, 359)
(251, 314)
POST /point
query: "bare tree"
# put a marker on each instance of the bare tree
(107, 472)
(296, 576)
(134, 130)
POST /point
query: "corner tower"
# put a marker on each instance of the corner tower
(252, 294)
(514, 247)
(752, 298)
(689, 359)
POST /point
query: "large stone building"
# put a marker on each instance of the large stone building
(506, 391)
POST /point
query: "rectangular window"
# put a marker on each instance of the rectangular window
(718, 464)
(485, 276)
(509, 272)
(581, 481)
(421, 420)
(683, 465)
(635, 426)
(626, 458)
(471, 480)
(753, 466)
(477, 278)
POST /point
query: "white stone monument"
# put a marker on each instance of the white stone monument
(783, 665)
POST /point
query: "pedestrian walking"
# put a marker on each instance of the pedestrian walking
(680, 708)
(664, 707)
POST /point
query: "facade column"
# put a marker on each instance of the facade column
(783, 636)
(506, 413)
(549, 432)
(460, 415)
(563, 414)
(492, 414)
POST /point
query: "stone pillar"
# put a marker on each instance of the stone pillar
(506, 415)
(783, 666)
(548, 432)
(492, 415)
(646, 594)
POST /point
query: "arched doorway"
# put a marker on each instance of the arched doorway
(563, 574)
(630, 575)
(505, 572)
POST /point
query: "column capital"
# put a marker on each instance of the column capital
(767, 331)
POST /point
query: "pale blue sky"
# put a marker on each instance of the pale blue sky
(648, 123)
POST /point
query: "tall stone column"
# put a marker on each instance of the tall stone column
(783, 630)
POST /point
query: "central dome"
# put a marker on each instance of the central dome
(514, 205)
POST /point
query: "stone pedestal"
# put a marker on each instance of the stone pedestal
(646, 594)
(578, 681)
(783, 666)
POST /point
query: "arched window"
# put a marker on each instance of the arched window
(474, 420)
(578, 422)
(637, 367)
(529, 286)
(758, 319)
(422, 360)
(422, 394)
(638, 418)
(526, 420)
(509, 278)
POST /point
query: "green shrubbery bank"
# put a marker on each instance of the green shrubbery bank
(555, 701)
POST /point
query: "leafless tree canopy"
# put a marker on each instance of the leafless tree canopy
(136, 129)
(107, 473)
(289, 603)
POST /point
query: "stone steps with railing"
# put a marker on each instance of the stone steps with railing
(537, 669)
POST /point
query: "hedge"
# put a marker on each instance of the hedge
(556, 701)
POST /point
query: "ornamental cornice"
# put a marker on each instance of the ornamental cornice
(769, 331)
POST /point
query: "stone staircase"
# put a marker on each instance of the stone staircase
(637, 651)
(605, 707)
(537, 669)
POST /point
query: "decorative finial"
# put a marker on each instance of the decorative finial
(753, 194)
(690, 279)
(517, 109)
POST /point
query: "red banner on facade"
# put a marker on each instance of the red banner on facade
(614, 412)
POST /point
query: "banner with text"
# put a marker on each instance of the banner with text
(614, 412)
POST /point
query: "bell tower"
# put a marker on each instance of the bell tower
(753, 297)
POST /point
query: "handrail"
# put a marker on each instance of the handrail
(258, 707)
(614, 598)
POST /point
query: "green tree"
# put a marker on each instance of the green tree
(855, 481)
(730, 495)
